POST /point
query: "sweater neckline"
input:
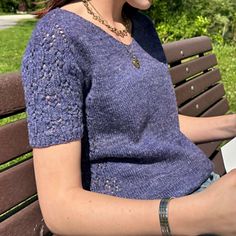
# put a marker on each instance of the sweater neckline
(100, 29)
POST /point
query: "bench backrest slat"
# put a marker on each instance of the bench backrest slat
(191, 68)
(183, 49)
(203, 102)
(27, 222)
(17, 184)
(11, 93)
(196, 86)
(13, 140)
(219, 108)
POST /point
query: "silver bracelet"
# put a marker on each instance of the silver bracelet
(163, 216)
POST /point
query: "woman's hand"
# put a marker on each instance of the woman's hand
(220, 205)
(214, 210)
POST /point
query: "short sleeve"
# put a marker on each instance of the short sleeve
(52, 82)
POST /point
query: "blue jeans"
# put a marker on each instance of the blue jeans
(212, 178)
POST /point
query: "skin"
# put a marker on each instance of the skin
(111, 11)
(68, 209)
(206, 129)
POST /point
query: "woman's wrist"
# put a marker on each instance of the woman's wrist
(231, 122)
(163, 216)
(187, 215)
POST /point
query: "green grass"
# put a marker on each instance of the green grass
(6, 13)
(226, 56)
(12, 44)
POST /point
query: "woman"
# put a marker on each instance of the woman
(109, 148)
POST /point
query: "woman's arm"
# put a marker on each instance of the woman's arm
(69, 210)
(205, 129)
(81, 212)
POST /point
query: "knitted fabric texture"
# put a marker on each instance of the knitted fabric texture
(80, 84)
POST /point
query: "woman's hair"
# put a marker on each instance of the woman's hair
(51, 4)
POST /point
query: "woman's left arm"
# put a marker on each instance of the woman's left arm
(206, 129)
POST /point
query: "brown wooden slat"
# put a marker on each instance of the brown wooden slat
(203, 101)
(209, 148)
(182, 49)
(191, 68)
(11, 93)
(16, 184)
(27, 222)
(196, 86)
(13, 140)
(219, 166)
(220, 108)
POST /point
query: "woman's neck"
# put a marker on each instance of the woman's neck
(110, 10)
(102, 6)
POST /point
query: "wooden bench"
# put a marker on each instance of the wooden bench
(199, 93)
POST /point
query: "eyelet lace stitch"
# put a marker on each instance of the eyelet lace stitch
(101, 180)
(50, 75)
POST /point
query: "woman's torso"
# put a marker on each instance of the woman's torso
(132, 144)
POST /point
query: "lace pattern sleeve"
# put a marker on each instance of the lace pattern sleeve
(52, 83)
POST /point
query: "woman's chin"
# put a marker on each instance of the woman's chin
(140, 4)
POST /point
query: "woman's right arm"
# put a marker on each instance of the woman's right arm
(68, 209)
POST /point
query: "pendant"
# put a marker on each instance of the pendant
(135, 62)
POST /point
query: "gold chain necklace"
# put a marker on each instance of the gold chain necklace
(122, 33)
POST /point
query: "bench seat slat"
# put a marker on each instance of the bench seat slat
(27, 222)
(191, 68)
(16, 184)
(13, 140)
(176, 51)
(203, 101)
(218, 109)
(195, 86)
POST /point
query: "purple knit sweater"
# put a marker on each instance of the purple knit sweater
(79, 83)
